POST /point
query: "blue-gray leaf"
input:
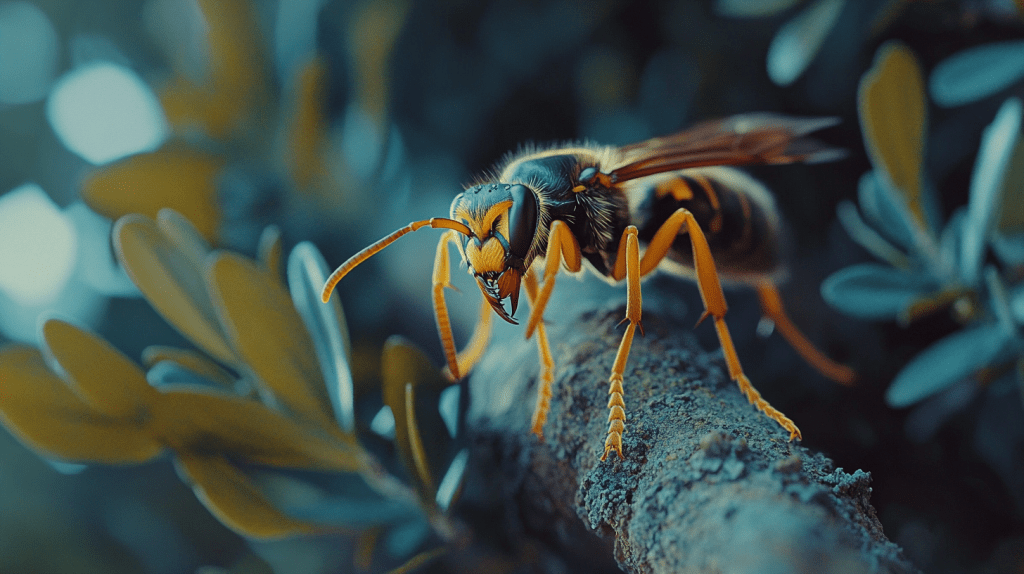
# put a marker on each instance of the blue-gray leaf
(873, 291)
(977, 73)
(998, 144)
(325, 322)
(887, 211)
(954, 358)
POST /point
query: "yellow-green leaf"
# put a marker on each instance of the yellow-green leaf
(270, 249)
(171, 282)
(258, 315)
(893, 117)
(406, 372)
(45, 414)
(235, 500)
(196, 362)
(102, 375)
(202, 420)
(180, 179)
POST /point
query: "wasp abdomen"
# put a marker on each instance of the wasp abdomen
(735, 211)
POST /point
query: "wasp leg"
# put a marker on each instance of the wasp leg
(629, 261)
(714, 302)
(562, 246)
(547, 364)
(771, 304)
(470, 355)
(441, 279)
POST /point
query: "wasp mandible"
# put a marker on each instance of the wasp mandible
(665, 203)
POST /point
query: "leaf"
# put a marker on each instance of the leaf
(171, 282)
(262, 324)
(307, 126)
(1011, 212)
(109, 381)
(350, 503)
(951, 359)
(175, 178)
(167, 373)
(409, 379)
(872, 291)
(189, 360)
(892, 115)
(451, 484)
(45, 414)
(307, 273)
(270, 249)
(976, 73)
(887, 213)
(236, 85)
(752, 8)
(998, 144)
(798, 41)
(200, 419)
(233, 498)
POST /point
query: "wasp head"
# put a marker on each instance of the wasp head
(503, 220)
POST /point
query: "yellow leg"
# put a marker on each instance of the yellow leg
(771, 304)
(547, 363)
(470, 355)
(630, 258)
(714, 301)
(441, 279)
(562, 246)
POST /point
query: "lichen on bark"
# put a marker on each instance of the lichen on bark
(708, 484)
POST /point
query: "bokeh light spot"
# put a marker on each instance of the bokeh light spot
(37, 246)
(104, 112)
(28, 53)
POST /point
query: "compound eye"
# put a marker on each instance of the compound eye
(522, 220)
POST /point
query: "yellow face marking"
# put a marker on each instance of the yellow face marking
(490, 257)
(481, 224)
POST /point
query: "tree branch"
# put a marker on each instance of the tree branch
(708, 485)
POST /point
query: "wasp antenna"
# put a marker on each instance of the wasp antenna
(370, 250)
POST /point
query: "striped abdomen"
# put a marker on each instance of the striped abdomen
(735, 211)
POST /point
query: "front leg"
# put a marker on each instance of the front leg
(562, 246)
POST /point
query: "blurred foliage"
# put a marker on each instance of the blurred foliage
(336, 121)
(249, 418)
(931, 270)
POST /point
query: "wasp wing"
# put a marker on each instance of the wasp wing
(758, 138)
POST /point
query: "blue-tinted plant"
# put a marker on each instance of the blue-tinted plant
(931, 267)
(261, 420)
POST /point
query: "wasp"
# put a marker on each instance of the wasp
(673, 203)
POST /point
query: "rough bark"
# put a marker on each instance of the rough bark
(708, 484)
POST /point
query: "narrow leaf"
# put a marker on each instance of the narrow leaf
(233, 498)
(171, 282)
(872, 291)
(202, 420)
(258, 315)
(953, 358)
(190, 360)
(326, 324)
(976, 73)
(998, 144)
(109, 381)
(180, 179)
(45, 414)
(798, 41)
(410, 379)
(893, 118)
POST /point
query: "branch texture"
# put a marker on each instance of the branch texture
(708, 484)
